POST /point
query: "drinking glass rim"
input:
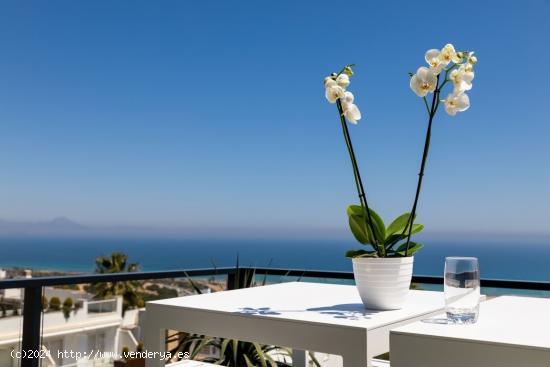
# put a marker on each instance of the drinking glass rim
(471, 258)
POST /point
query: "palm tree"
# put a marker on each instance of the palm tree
(117, 262)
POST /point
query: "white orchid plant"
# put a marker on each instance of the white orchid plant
(365, 224)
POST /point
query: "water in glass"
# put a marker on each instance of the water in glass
(462, 291)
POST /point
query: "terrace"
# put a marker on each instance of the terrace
(184, 133)
(37, 326)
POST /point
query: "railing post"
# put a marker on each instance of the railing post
(32, 313)
(231, 279)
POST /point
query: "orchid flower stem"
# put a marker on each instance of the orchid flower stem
(435, 104)
(426, 103)
(443, 84)
(347, 140)
(358, 181)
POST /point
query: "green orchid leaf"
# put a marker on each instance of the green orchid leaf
(355, 210)
(361, 253)
(378, 231)
(393, 239)
(396, 237)
(413, 247)
(379, 227)
(359, 230)
(417, 228)
(358, 225)
(398, 224)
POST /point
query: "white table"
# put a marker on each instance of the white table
(304, 316)
(510, 332)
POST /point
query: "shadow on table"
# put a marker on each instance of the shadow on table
(258, 311)
(351, 311)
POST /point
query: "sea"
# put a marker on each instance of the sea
(514, 259)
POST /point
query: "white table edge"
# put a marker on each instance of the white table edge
(248, 316)
(160, 303)
(471, 341)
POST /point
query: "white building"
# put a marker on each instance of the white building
(12, 293)
(97, 326)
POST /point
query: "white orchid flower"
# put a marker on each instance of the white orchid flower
(433, 59)
(449, 54)
(462, 78)
(350, 110)
(333, 92)
(343, 80)
(423, 82)
(352, 113)
(348, 98)
(456, 102)
(329, 81)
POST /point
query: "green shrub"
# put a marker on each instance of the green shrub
(68, 302)
(125, 352)
(140, 347)
(55, 304)
(67, 307)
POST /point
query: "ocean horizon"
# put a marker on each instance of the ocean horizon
(498, 259)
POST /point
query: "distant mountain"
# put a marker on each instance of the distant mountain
(63, 227)
(64, 222)
(56, 226)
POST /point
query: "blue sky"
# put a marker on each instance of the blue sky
(211, 114)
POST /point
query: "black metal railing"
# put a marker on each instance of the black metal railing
(32, 306)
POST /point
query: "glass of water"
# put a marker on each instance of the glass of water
(462, 289)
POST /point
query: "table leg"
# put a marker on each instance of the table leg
(298, 358)
(358, 358)
(155, 344)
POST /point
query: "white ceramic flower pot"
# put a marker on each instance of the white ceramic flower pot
(383, 283)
